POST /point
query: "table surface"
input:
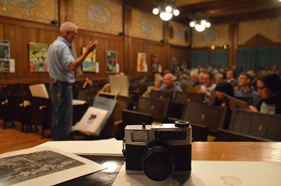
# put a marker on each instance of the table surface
(210, 151)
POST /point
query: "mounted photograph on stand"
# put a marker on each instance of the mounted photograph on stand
(89, 64)
(155, 63)
(4, 56)
(141, 63)
(175, 63)
(111, 62)
(38, 57)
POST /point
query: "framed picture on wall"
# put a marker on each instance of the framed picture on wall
(155, 62)
(38, 57)
(175, 63)
(141, 62)
(111, 61)
(4, 56)
(89, 64)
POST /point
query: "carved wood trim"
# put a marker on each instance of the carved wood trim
(259, 41)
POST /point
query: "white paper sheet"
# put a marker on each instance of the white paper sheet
(215, 173)
(110, 147)
(43, 166)
(78, 102)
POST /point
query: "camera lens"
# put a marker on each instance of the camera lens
(158, 161)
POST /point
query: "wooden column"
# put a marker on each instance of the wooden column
(65, 11)
(127, 18)
(233, 31)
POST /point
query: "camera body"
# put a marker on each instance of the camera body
(158, 151)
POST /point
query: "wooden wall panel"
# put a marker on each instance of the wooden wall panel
(181, 53)
(148, 47)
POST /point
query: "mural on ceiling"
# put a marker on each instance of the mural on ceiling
(215, 35)
(179, 34)
(269, 28)
(146, 26)
(101, 16)
(43, 11)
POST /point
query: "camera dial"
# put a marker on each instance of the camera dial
(182, 123)
(158, 161)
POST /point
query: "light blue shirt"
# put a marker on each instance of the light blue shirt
(175, 88)
(59, 59)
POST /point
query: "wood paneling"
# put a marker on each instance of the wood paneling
(259, 41)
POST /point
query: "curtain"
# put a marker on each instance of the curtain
(257, 58)
(200, 58)
(219, 58)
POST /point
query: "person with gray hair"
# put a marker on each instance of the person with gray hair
(62, 64)
(194, 78)
(218, 78)
(169, 85)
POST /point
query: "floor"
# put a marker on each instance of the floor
(11, 139)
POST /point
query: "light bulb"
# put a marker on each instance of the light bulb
(208, 25)
(199, 28)
(203, 22)
(166, 16)
(155, 11)
(192, 24)
(168, 9)
(176, 12)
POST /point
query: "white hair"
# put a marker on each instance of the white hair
(67, 26)
(219, 75)
(194, 73)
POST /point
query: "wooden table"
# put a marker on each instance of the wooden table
(237, 151)
(211, 151)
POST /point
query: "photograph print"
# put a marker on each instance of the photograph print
(175, 63)
(155, 62)
(4, 56)
(38, 57)
(89, 64)
(111, 61)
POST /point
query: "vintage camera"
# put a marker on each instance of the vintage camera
(158, 151)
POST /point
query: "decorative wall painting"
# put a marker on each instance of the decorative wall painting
(141, 63)
(38, 57)
(155, 62)
(4, 56)
(89, 64)
(111, 61)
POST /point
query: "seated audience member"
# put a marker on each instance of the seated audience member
(207, 87)
(88, 83)
(245, 81)
(184, 82)
(201, 78)
(230, 79)
(106, 87)
(269, 87)
(169, 85)
(222, 101)
(218, 78)
(254, 81)
(157, 84)
(194, 78)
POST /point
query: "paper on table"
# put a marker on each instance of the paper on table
(43, 166)
(110, 147)
(216, 173)
(140, 180)
(78, 102)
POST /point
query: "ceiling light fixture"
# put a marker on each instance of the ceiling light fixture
(200, 25)
(166, 10)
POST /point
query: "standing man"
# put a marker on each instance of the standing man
(62, 65)
(245, 81)
(207, 87)
(169, 85)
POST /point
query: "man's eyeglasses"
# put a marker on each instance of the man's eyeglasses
(261, 88)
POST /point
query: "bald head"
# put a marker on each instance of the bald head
(169, 80)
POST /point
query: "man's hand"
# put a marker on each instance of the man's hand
(92, 46)
(204, 92)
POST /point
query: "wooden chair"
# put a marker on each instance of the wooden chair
(183, 97)
(257, 125)
(161, 94)
(157, 107)
(210, 116)
(16, 111)
(86, 95)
